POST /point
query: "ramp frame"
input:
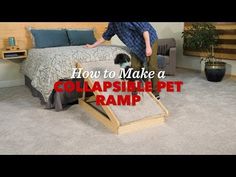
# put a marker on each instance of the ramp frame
(111, 121)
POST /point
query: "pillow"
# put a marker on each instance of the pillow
(81, 36)
(49, 38)
(29, 28)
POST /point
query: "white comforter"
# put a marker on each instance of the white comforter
(46, 66)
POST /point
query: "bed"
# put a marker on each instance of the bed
(52, 57)
(45, 66)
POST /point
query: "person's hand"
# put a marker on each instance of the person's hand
(148, 51)
(89, 46)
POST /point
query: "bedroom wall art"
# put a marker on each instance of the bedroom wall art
(227, 41)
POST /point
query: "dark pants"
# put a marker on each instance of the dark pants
(151, 66)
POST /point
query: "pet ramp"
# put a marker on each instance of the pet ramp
(121, 119)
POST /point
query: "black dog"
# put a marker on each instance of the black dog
(124, 61)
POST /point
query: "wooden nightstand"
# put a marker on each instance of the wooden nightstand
(14, 54)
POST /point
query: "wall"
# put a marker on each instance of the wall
(10, 70)
(174, 29)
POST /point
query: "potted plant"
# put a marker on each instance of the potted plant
(203, 37)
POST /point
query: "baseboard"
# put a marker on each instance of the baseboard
(12, 83)
(191, 69)
(231, 76)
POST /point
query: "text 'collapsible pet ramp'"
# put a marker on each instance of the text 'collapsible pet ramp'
(121, 119)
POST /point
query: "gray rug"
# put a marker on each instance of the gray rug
(202, 121)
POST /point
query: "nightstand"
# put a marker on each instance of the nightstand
(14, 54)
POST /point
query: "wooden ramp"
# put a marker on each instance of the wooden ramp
(121, 119)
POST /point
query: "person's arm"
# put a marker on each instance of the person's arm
(107, 35)
(98, 42)
(147, 43)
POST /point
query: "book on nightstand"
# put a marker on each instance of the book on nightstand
(14, 54)
(11, 55)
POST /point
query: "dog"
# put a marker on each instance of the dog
(124, 61)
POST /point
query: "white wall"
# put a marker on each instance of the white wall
(174, 29)
(10, 73)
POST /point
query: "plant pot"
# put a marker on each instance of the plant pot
(215, 71)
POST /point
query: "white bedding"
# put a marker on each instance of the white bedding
(46, 66)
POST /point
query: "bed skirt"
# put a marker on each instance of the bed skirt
(57, 101)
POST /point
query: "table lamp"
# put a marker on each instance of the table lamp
(12, 44)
